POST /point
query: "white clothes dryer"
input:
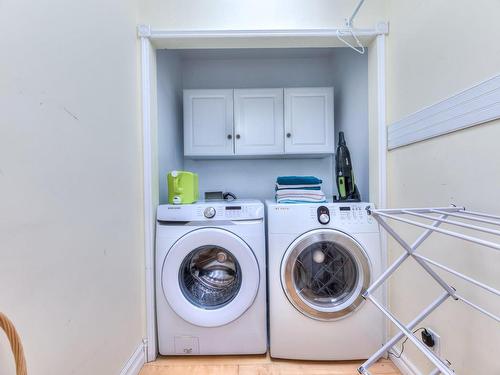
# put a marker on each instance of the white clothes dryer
(211, 278)
(322, 257)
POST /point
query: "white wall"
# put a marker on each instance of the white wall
(257, 14)
(71, 221)
(341, 68)
(432, 54)
(170, 133)
(256, 178)
(350, 78)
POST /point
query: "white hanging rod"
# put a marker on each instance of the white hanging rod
(450, 211)
(458, 274)
(482, 214)
(478, 308)
(350, 20)
(467, 217)
(421, 210)
(453, 222)
(439, 230)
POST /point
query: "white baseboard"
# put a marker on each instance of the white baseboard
(405, 365)
(136, 361)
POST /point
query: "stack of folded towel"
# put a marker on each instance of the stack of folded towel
(299, 189)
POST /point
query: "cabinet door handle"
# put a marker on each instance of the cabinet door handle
(238, 136)
(229, 136)
(288, 135)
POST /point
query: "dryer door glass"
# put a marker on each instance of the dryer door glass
(210, 277)
(324, 273)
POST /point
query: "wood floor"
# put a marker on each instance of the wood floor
(257, 365)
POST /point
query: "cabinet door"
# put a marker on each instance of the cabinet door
(208, 122)
(258, 121)
(309, 120)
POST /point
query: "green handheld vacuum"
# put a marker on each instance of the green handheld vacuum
(348, 191)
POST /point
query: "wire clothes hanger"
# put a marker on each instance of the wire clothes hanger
(349, 31)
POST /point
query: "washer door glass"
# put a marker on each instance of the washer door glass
(210, 277)
(324, 273)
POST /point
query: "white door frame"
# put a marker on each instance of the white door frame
(147, 63)
(153, 39)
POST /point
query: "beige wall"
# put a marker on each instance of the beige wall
(71, 240)
(71, 243)
(435, 50)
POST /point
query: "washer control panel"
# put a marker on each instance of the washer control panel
(212, 211)
(228, 211)
(234, 211)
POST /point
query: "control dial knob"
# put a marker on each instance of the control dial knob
(324, 218)
(209, 212)
(323, 215)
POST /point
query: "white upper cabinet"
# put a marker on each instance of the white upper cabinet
(309, 120)
(221, 123)
(258, 121)
(208, 122)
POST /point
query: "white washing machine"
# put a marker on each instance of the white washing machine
(322, 257)
(211, 278)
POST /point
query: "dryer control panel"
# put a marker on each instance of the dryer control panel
(291, 218)
(352, 213)
(349, 213)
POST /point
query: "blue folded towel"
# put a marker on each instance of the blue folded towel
(298, 187)
(303, 200)
(298, 180)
